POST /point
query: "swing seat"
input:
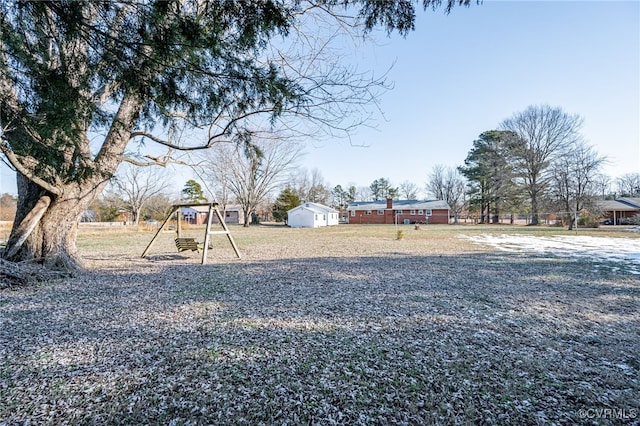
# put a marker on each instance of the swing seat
(184, 244)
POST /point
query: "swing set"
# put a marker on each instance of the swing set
(183, 243)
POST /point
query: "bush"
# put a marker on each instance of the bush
(588, 222)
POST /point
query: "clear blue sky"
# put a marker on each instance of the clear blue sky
(458, 75)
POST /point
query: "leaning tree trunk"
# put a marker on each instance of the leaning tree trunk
(45, 226)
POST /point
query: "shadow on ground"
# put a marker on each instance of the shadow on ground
(368, 340)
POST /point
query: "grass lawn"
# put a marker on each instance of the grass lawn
(343, 325)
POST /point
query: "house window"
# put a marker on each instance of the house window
(380, 212)
(420, 212)
(398, 211)
(368, 212)
(353, 212)
(413, 212)
(428, 212)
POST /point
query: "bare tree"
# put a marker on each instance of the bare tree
(159, 206)
(136, 185)
(447, 184)
(310, 186)
(363, 193)
(250, 175)
(628, 185)
(603, 185)
(574, 177)
(545, 132)
(436, 184)
(408, 190)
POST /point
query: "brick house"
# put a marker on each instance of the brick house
(405, 211)
(621, 210)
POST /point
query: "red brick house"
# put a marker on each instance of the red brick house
(620, 211)
(404, 211)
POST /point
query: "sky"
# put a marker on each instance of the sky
(461, 74)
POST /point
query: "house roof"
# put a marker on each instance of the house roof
(621, 204)
(399, 205)
(321, 207)
(633, 202)
(314, 207)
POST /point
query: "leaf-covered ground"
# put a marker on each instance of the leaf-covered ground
(329, 326)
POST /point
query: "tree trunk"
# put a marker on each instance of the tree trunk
(46, 233)
(28, 224)
(534, 210)
(247, 218)
(135, 216)
(495, 218)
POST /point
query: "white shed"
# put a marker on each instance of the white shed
(312, 215)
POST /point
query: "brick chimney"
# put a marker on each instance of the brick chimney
(389, 203)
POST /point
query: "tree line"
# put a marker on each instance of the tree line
(536, 161)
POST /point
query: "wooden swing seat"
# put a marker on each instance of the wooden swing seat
(184, 244)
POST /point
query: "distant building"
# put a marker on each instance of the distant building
(403, 211)
(621, 210)
(197, 215)
(312, 215)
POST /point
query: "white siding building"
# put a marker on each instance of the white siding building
(312, 215)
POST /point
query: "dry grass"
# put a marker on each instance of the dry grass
(347, 325)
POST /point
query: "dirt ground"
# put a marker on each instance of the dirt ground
(348, 325)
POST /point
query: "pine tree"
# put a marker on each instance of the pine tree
(287, 200)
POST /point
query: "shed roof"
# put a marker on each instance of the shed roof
(314, 207)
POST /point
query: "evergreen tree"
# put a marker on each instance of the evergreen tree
(287, 200)
(382, 189)
(490, 169)
(192, 192)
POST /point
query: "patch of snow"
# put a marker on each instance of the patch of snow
(624, 251)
